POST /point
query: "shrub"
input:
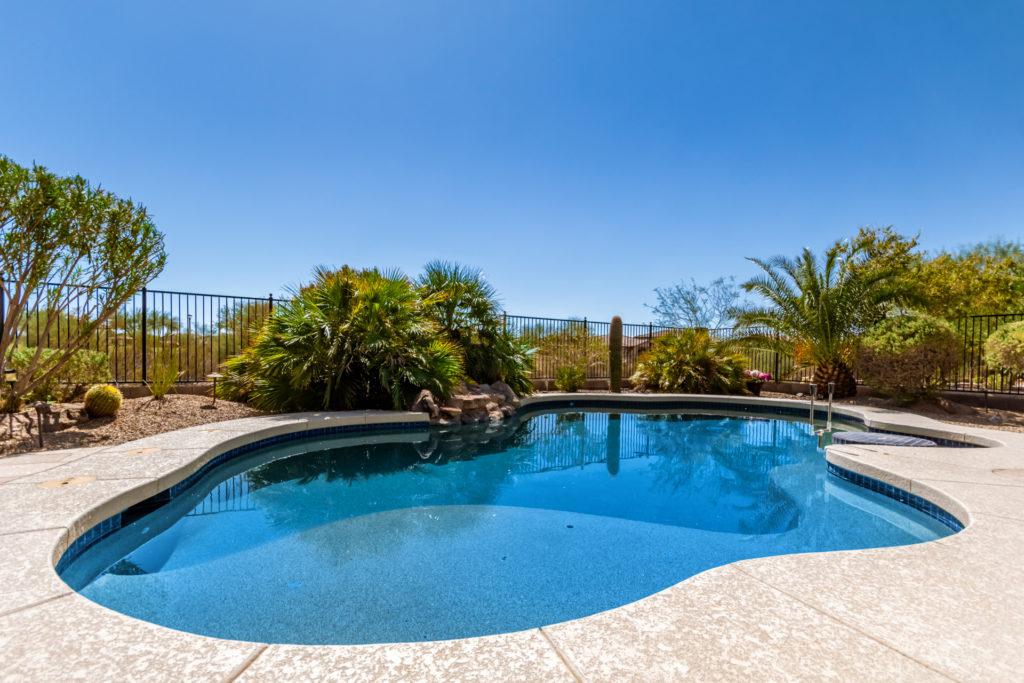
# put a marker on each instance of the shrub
(102, 400)
(164, 375)
(465, 308)
(351, 339)
(692, 362)
(82, 369)
(1004, 348)
(905, 356)
(570, 378)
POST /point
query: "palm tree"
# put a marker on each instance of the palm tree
(816, 308)
(466, 309)
(351, 339)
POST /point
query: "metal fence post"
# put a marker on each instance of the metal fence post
(270, 302)
(145, 361)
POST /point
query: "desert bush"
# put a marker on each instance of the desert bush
(693, 362)
(465, 307)
(1004, 348)
(351, 339)
(164, 375)
(570, 378)
(905, 356)
(82, 369)
(79, 244)
(102, 400)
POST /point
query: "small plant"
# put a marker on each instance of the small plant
(102, 400)
(165, 375)
(570, 378)
(615, 355)
(691, 362)
(904, 357)
(1004, 349)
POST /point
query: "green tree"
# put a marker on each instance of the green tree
(815, 308)
(71, 244)
(986, 278)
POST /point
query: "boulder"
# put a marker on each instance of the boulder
(425, 403)
(450, 413)
(506, 391)
(468, 401)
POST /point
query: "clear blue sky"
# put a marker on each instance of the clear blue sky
(581, 153)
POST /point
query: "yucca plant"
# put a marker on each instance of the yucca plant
(351, 339)
(816, 308)
(466, 309)
(164, 375)
(692, 362)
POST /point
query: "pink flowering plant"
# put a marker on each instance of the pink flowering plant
(757, 376)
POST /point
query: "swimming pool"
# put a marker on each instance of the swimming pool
(434, 534)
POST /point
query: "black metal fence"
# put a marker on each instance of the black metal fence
(972, 373)
(196, 332)
(192, 332)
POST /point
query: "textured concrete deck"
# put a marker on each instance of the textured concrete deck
(950, 609)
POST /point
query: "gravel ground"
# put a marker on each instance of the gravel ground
(138, 418)
(941, 409)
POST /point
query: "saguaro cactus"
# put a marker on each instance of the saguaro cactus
(615, 355)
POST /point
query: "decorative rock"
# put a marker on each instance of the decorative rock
(450, 413)
(469, 404)
(506, 391)
(425, 403)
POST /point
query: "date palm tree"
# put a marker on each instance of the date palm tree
(816, 308)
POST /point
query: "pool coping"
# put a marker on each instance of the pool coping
(950, 608)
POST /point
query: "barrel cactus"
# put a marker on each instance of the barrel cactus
(102, 400)
(615, 355)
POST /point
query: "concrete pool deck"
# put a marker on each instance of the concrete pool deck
(947, 609)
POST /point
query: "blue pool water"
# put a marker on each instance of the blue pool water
(432, 535)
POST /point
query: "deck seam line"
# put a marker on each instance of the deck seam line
(852, 627)
(246, 663)
(29, 531)
(55, 465)
(37, 603)
(573, 669)
(963, 481)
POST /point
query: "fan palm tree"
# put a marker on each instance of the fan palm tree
(815, 309)
(466, 309)
(351, 339)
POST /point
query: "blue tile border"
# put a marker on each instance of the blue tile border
(900, 495)
(121, 519)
